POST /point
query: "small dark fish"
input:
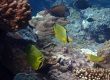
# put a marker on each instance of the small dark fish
(82, 4)
(59, 11)
(90, 20)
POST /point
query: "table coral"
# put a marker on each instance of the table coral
(14, 14)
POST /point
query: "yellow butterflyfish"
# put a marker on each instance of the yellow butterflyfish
(34, 57)
(94, 58)
(61, 34)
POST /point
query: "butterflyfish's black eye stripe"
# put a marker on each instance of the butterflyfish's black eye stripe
(40, 65)
(67, 39)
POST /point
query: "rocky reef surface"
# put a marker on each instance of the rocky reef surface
(64, 60)
(90, 24)
(104, 51)
(96, 23)
(43, 23)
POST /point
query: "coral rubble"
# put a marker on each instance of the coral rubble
(14, 14)
(93, 73)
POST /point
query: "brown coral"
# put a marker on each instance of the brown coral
(14, 14)
(93, 73)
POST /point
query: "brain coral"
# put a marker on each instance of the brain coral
(14, 14)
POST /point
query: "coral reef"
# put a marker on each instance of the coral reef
(104, 51)
(88, 51)
(88, 25)
(12, 53)
(96, 26)
(58, 75)
(43, 23)
(14, 14)
(26, 76)
(93, 73)
(74, 14)
(74, 28)
(25, 34)
(64, 60)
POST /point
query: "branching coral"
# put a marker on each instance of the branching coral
(93, 73)
(14, 14)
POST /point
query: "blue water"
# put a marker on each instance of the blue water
(38, 5)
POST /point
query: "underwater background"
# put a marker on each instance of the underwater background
(54, 40)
